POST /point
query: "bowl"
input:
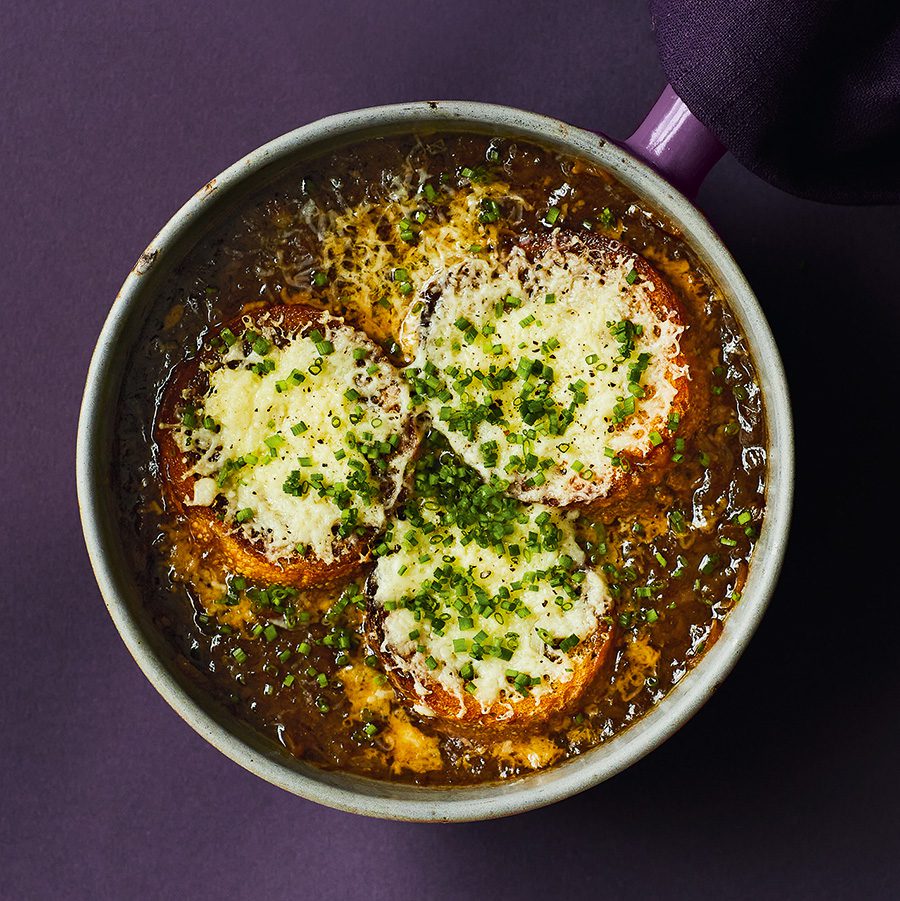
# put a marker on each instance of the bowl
(671, 143)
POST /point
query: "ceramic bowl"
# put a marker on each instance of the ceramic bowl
(671, 150)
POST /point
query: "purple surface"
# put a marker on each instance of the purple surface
(784, 785)
(806, 93)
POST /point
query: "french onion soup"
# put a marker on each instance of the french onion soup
(443, 461)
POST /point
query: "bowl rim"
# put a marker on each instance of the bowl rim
(489, 800)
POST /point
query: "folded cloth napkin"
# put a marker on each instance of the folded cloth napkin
(805, 93)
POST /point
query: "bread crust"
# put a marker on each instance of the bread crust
(208, 525)
(464, 715)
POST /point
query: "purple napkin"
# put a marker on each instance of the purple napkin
(805, 93)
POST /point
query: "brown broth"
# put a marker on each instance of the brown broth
(682, 540)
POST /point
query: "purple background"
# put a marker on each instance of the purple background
(786, 784)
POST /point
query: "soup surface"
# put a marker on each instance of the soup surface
(363, 233)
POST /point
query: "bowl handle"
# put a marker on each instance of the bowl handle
(675, 143)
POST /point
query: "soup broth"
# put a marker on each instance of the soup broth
(360, 232)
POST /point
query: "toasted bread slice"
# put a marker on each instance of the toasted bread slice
(286, 442)
(559, 368)
(484, 613)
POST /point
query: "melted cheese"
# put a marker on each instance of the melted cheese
(361, 248)
(534, 752)
(641, 660)
(411, 748)
(254, 421)
(203, 574)
(549, 614)
(564, 335)
(363, 691)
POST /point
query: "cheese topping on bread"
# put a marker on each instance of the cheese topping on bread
(299, 437)
(483, 600)
(556, 367)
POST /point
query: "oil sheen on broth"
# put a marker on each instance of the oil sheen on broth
(361, 231)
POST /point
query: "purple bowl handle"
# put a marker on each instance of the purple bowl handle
(675, 143)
